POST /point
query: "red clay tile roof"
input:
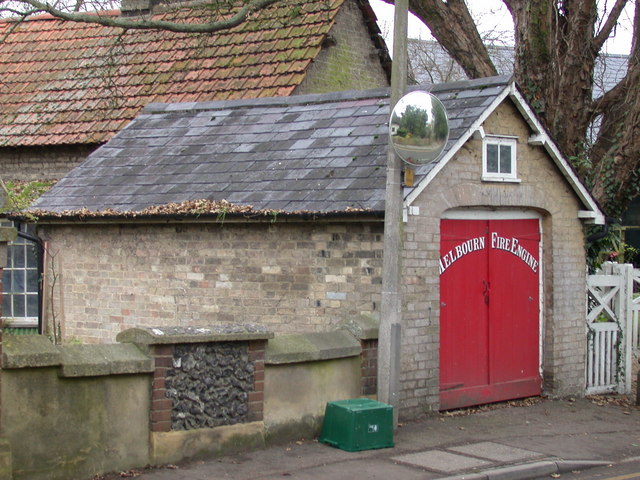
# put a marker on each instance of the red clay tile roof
(77, 83)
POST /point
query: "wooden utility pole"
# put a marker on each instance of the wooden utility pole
(390, 333)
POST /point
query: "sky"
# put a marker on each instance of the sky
(492, 14)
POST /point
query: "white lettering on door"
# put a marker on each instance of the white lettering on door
(459, 251)
(511, 245)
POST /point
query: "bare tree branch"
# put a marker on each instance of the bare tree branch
(634, 58)
(452, 25)
(609, 24)
(19, 17)
(154, 24)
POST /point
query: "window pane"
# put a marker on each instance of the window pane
(6, 281)
(505, 158)
(18, 281)
(18, 256)
(6, 306)
(32, 256)
(32, 305)
(18, 306)
(32, 280)
(492, 159)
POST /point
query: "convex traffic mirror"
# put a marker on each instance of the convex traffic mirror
(418, 128)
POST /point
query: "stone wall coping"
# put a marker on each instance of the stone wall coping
(309, 347)
(363, 327)
(36, 351)
(109, 359)
(209, 334)
(29, 351)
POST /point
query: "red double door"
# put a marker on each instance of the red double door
(489, 311)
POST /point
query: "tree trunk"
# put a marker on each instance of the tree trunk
(616, 152)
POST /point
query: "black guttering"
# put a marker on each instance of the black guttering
(220, 217)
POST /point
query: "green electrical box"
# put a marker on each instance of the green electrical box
(358, 424)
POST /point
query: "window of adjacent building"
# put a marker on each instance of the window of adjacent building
(499, 159)
(21, 283)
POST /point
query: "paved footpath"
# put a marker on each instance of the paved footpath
(532, 439)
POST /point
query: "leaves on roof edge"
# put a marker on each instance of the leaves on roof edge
(196, 208)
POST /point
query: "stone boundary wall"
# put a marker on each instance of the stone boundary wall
(75, 411)
(303, 372)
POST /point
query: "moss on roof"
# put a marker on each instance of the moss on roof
(78, 83)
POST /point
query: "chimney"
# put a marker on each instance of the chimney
(131, 8)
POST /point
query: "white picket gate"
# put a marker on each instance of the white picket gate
(635, 311)
(610, 316)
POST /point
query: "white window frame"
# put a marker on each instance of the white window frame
(11, 295)
(499, 141)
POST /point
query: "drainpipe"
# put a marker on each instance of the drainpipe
(594, 237)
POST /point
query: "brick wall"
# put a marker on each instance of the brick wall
(160, 402)
(256, 397)
(459, 185)
(298, 277)
(369, 358)
(41, 163)
(348, 60)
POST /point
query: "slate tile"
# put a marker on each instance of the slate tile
(339, 184)
(321, 142)
(302, 144)
(366, 130)
(318, 153)
(212, 168)
(354, 194)
(283, 205)
(292, 154)
(341, 122)
(363, 140)
(340, 162)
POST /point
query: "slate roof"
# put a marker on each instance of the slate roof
(77, 83)
(320, 154)
(430, 63)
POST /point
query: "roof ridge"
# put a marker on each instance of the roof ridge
(473, 84)
(310, 99)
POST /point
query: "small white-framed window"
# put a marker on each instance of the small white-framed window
(21, 282)
(499, 159)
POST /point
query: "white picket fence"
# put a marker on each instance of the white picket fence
(635, 312)
(612, 312)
